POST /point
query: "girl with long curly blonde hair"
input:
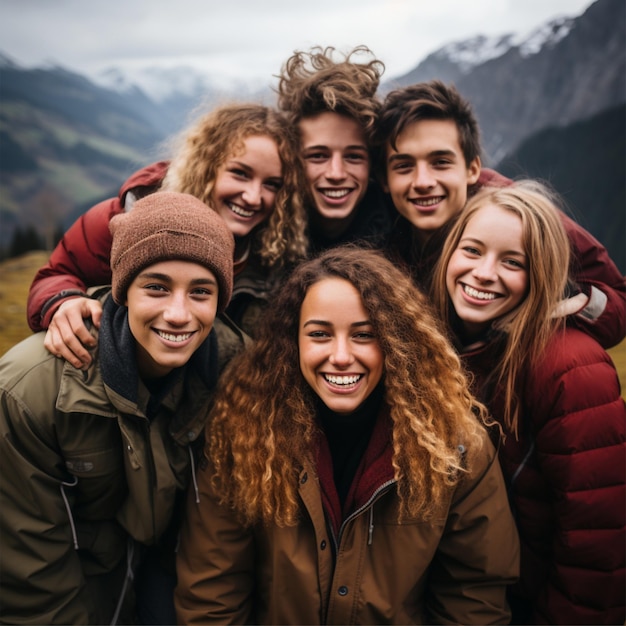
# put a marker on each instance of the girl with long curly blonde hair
(203, 148)
(348, 476)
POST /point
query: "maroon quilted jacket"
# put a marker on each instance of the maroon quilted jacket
(566, 477)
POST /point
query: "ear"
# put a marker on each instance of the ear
(473, 170)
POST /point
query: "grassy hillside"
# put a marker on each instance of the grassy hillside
(17, 274)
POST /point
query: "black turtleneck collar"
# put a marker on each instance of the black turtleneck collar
(348, 436)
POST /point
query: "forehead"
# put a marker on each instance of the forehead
(332, 299)
(427, 136)
(331, 129)
(495, 224)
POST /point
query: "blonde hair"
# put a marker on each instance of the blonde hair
(263, 424)
(314, 82)
(528, 327)
(205, 146)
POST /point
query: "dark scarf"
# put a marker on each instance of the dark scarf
(118, 359)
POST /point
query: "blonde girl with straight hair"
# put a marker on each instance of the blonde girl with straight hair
(501, 285)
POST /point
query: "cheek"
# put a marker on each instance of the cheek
(312, 171)
(269, 200)
(393, 183)
(362, 173)
(223, 188)
(378, 365)
(453, 271)
(521, 288)
(207, 314)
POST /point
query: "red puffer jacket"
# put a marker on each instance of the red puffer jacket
(566, 480)
(81, 258)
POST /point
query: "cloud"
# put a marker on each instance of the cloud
(251, 39)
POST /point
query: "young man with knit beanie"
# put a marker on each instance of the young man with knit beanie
(92, 462)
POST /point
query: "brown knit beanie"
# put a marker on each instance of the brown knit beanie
(166, 226)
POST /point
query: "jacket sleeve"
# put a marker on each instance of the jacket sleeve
(580, 439)
(215, 562)
(80, 260)
(604, 317)
(41, 575)
(478, 556)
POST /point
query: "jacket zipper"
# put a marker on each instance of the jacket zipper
(378, 493)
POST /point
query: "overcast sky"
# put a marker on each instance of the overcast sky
(250, 39)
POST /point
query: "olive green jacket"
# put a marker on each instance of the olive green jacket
(84, 474)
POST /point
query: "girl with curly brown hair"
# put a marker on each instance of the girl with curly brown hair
(239, 159)
(331, 100)
(348, 476)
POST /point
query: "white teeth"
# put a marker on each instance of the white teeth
(336, 193)
(479, 295)
(428, 202)
(239, 211)
(342, 380)
(175, 338)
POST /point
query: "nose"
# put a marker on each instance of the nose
(252, 194)
(485, 270)
(341, 354)
(177, 312)
(336, 169)
(424, 178)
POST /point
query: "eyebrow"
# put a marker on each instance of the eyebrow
(402, 156)
(481, 242)
(244, 166)
(358, 146)
(167, 278)
(327, 323)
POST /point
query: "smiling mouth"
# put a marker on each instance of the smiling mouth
(479, 295)
(342, 381)
(427, 202)
(175, 338)
(335, 194)
(237, 210)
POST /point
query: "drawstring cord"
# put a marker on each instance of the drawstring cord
(193, 475)
(130, 552)
(69, 510)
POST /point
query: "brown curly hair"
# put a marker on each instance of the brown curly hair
(314, 82)
(263, 422)
(202, 149)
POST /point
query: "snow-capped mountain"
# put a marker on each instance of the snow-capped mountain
(565, 70)
(163, 84)
(544, 37)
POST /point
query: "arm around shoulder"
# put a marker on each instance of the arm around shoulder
(604, 315)
(80, 260)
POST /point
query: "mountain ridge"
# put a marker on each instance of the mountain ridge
(68, 141)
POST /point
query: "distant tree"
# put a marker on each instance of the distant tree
(24, 240)
(48, 206)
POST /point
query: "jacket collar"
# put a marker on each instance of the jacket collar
(374, 470)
